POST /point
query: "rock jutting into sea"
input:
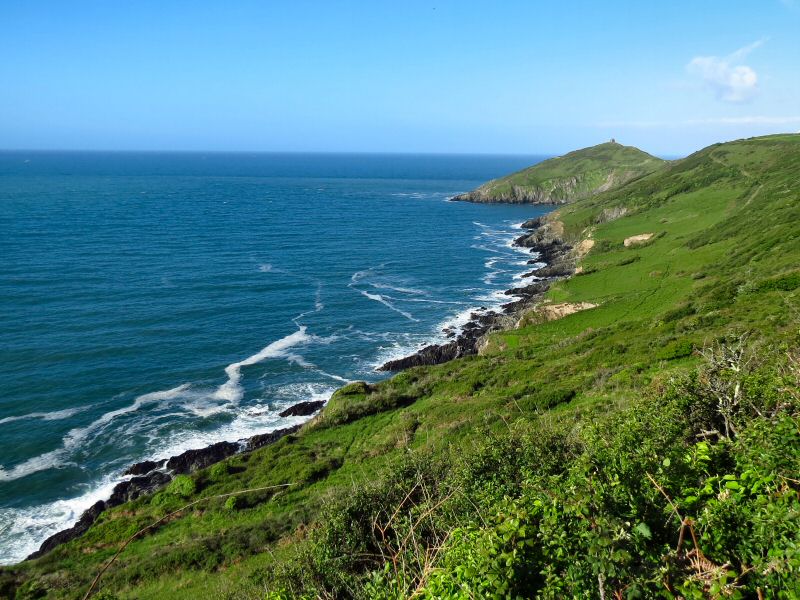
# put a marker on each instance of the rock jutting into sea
(303, 409)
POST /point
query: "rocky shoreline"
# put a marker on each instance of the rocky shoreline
(543, 240)
(150, 476)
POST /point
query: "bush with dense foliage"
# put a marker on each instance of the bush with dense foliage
(654, 500)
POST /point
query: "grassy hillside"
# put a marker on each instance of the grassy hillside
(573, 176)
(647, 447)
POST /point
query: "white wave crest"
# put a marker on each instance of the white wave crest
(389, 305)
(24, 529)
(397, 288)
(55, 415)
(232, 391)
(75, 437)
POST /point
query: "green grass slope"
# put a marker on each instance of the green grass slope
(647, 447)
(571, 177)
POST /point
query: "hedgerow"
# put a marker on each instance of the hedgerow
(677, 495)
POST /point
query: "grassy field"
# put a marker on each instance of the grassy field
(566, 460)
(573, 176)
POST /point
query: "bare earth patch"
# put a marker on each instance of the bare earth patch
(583, 248)
(551, 312)
(637, 239)
(556, 226)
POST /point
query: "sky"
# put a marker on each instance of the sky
(507, 77)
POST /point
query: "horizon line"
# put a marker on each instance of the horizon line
(301, 152)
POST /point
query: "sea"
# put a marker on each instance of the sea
(152, 303)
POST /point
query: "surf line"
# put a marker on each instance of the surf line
(356, 278)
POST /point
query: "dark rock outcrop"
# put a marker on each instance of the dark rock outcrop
(149, 478)
(62, 537)
(144, 467)
(561, 268)
(464, 345)
(265, 439)
(549, 249)
(434, 354)
(125, 491)
(529, 291)
(533, 223)
(194, 460)
(303, 409)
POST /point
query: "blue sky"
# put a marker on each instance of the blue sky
(379, 76)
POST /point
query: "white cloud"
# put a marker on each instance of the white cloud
(730, 82)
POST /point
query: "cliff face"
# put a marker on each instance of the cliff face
(559, 191)
(565, 179)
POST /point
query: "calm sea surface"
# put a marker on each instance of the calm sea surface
(151, 303)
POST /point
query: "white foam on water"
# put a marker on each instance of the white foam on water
(397, 288)
(24, 529)
(55, 415)
(359, 275)
(503, 268)
(232, 390)
(389, 305)
(457, 321)
(318, 304)
(42, 462)
(334, 377)
(418, 195)
(249, 421)
(486, 248)
(75, 437)
(425, 300)
(400, 347)
(495, 298)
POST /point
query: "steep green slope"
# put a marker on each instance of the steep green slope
(571, 177)
(567, 460)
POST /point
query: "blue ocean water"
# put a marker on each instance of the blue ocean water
(151, 303)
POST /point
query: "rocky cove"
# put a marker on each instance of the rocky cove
(150, 476)
(545, 244)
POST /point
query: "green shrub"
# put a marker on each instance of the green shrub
(601, 246)
(679, 313)
(219, 471)
(545, 398)
(31, 590)
(359, 399)
(785, 283)
(182, 486)
(629, 260)
(675, 350)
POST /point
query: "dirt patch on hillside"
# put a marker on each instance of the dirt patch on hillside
(583, 248)
(637, 239)
(552, 312)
